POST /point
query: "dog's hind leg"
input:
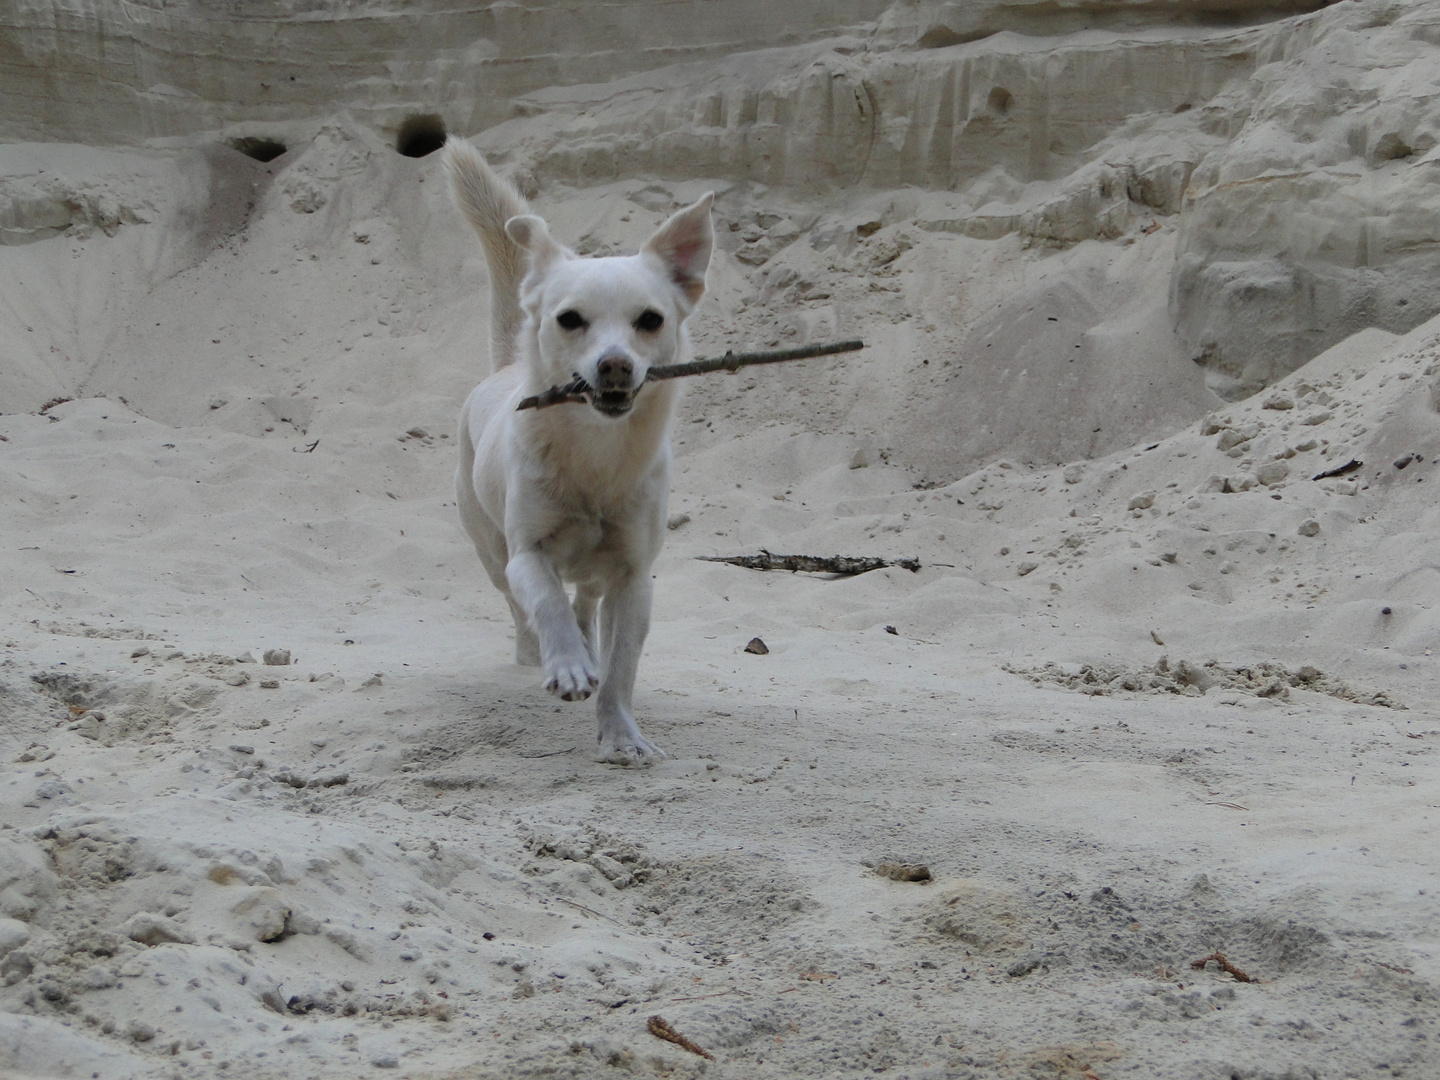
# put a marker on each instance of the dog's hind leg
(624, 624)
(570, 669)
(527, 645)
(490, 546)
(587, 599)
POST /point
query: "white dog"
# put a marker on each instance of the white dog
(575, 492)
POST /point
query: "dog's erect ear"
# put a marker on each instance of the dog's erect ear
(532, 234)
(683, 245)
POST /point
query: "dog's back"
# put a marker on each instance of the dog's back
(488, 202)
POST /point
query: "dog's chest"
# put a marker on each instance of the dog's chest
(590, 547)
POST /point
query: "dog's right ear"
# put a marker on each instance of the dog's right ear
(683, 245)
(532, 234)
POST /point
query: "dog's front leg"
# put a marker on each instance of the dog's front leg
(624, 623)
(570, 669)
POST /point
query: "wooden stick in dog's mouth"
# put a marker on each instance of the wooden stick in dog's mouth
(577, 390)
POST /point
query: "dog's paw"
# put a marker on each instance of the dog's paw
(627, 749)
(572, 680)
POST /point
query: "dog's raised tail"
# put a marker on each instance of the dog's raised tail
(488, 202)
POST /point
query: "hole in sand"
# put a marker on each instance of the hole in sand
(998, 102)
(939, 37)
(420, 135)
(259, 147)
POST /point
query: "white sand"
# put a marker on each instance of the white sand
(1194, 723)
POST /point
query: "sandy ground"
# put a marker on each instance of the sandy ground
(1145, 701)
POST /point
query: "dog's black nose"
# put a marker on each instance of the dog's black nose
(615, 372)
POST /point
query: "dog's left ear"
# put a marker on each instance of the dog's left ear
(683, 245)
(532, 234)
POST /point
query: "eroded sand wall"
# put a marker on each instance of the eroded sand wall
(1294, 153)
(108, 73)
(1298, 152)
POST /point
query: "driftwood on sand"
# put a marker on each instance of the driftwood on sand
(576, 389)
(813, 564)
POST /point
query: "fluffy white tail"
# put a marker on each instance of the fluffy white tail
(488, 202)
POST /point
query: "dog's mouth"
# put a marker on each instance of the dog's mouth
(613, 403)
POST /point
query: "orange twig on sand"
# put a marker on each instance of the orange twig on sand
(1225, 965)
(662, 1030)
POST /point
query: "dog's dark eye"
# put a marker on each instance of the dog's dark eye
(570, 320)
(649, 321)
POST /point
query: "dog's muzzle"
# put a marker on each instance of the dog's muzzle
(615, 389)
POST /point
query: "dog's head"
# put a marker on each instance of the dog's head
(610, 320)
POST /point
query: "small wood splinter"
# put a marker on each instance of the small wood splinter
(577, 389)
(662, 1030)
(1225, 965)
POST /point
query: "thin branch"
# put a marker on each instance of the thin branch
(543, 753)
(735, 361)
(742, 993)
(577, 389)
(574, 390)
(813, 564)
(588, 911)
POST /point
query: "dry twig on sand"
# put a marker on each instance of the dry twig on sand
(812, 564)
(588, 911)
(1340, 470)
(1225, 965)
(1392, 967)
(576, 389)
(706, 997)
(662, 1030)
